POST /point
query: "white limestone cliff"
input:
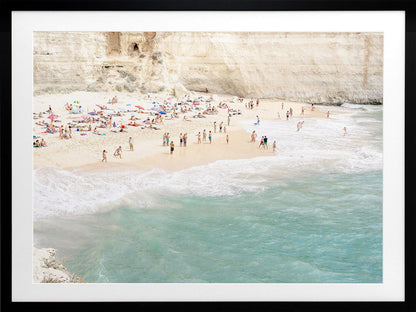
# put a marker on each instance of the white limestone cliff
(311, 67)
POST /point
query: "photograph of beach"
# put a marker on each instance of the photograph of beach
(207, 157)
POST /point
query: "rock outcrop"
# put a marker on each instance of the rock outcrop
(46, 269)
(311, 67)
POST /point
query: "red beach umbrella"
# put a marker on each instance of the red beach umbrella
(138, 106)
(52, 117)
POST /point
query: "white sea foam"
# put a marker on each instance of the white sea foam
(320, 146)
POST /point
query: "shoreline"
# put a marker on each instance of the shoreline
(85, 152)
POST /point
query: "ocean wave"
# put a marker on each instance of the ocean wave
(363, 107)
(319, 147)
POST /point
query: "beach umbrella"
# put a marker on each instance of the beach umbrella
(128, 104)
(162, 112)
(102, 107)
(92, 113)
(52, 117)
(140, 107)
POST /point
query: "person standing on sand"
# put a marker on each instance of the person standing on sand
(104, 156)
(180, 139)
(327, 114)
(345, 131)
(291, 112)
(172, 147)
(221, 126)
(167, 139)
(185, 138)
(226, 138)
(215, 127)
(265, 142)
(258, 120)
(282, 105)
(225, 129)
(274, 146)
(131, 143)
(303, 111)
(210, 137)
(204, 136)
(287, 115)
(228, 120)
(257, 103)
(199, 137)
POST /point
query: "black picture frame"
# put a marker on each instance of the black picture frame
(8, 6)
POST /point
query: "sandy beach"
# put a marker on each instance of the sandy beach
(85, 148)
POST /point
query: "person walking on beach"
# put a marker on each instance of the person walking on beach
(118, 152)
(180, 139)
(167, 138)
(172, 147)
(282, 105)
(345, 131)
(261, 142)
(253, 136)
(257, 103)
(303, 111)
(274, 146)
(225, 129)
(258, 120)
(221, 127)
(104, 156)
(215, 127)
(204, 136)
(199, 137)
(265, 142)
(228, 120)
(291, 112)
(327, 114)
(131, 143)
(226, 138)
(287, 115)
(164, 139)
(210, 137)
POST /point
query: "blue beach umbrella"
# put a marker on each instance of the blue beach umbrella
(162, 112)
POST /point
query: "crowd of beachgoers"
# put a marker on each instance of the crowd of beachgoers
(214, 114)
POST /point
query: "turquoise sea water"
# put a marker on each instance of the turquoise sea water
(312, 214)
